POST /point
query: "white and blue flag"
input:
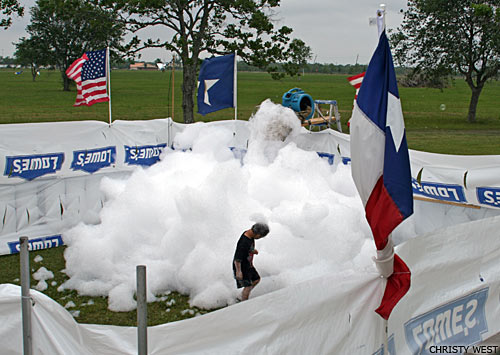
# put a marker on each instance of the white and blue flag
(216, 84)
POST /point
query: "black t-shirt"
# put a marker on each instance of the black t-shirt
(244, 254)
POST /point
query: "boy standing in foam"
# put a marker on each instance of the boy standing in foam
(244, 272)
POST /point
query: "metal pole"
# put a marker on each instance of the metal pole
(142, 311)
(386, 337)
(235, 86)
(25, 296)
(173, 85)
(337, 116)
(108, 78)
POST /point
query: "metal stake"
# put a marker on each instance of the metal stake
(25, 296)
(142, 311)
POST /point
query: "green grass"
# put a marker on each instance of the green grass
(138, 95)
(145, 95)
(168, 308)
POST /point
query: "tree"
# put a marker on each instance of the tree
(65, 29)
(213, 27)
(8, 8)
(441, 37)
(30, 52)
(299, 54)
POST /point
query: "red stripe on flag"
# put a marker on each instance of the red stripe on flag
(356, 80)
(360, 75)
(96, 92)
(89, 84)
(91, 102)
(95, 101)
(382, 214)
(397, 286)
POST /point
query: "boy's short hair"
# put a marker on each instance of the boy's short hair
(261, 229)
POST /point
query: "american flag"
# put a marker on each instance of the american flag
(89, 73)
(356, 81)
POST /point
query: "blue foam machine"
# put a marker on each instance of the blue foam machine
(299, 101)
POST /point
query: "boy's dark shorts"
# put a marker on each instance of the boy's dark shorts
(248, 278)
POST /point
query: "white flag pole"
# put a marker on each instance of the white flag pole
(381, 28)
(108, 76)
(235, 90)
(173, 85)
(381, 19)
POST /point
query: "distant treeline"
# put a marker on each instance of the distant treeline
(7, 61)
(319, 68)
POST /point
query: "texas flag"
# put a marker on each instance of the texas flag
(381, 166)
(216, 84)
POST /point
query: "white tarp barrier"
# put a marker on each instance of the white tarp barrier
(52, 172)
(459, 179)
(453, 301)
(454, 297)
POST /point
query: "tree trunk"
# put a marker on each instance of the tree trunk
(471, 116)
(33, 72)
(66, 81)
(188, 90)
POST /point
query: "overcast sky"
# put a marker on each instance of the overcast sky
(337, 31)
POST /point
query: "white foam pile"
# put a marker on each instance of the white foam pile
(183, 216)
(42, 275)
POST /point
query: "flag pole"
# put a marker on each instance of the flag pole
(108, 76)
(173, 84)
(235, 91)
(381, 28)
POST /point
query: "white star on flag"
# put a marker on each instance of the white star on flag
(208, 84)
(395, 120)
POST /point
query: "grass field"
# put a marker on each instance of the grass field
(138, 95)
(168, 308)
(145, 95)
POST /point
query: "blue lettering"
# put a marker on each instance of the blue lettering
(438, 191)
(37, 243)
(94, 159)
(17, 166)
(489, 196)
(26, 163)
(346, 160)
(460, 322)
(30, 167)
(328, 157)
(146, 155)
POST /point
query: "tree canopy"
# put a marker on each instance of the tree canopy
(7, 9)
(441, 37)
(62, 30)
(30, 52)
(193, 27)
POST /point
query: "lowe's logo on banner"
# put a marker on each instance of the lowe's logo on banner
(489, 196)
(327, 156)
(453, 193)
(93, 159)
(458, 323)
(143, 155)
(391, 348)
(238, 153)
(37, 243)
(30, 167)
